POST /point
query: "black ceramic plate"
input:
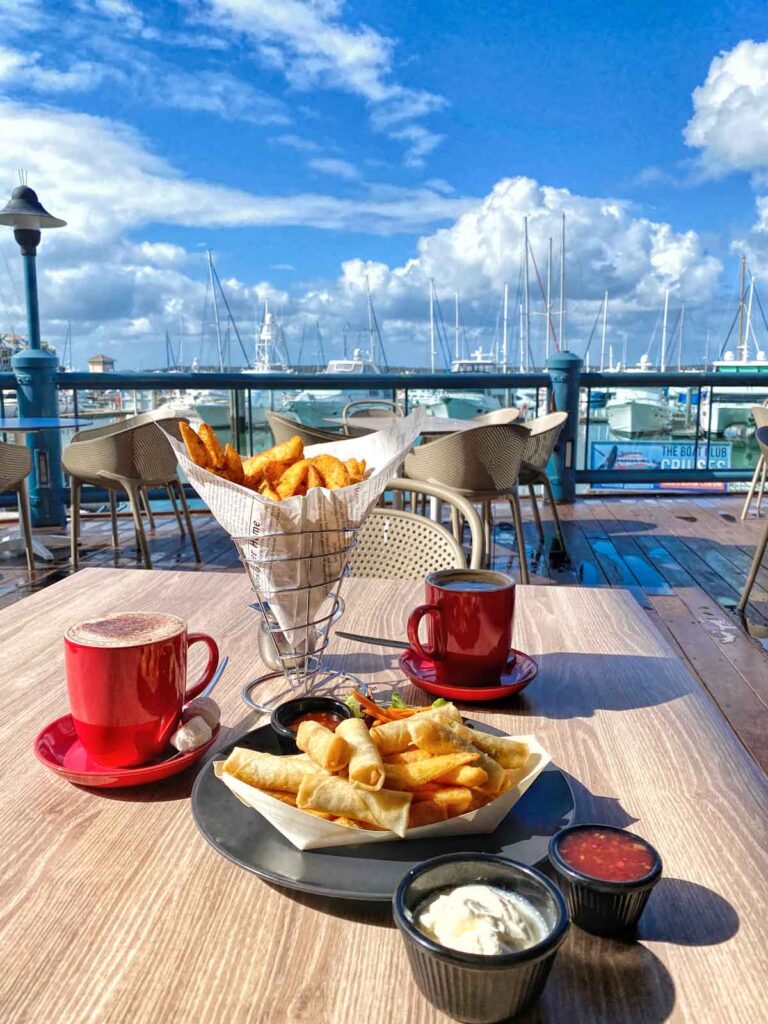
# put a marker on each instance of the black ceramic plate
(371, 872)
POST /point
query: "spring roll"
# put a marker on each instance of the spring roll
(406, 776)
(393, 737)
(366, 768)
(269, 771)
(508, 752)
(338, 797)
(439, 738)
(325, 747)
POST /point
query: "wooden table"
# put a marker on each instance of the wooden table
(432, 424)
(116, 910)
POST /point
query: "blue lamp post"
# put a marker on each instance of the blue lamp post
(35, 368)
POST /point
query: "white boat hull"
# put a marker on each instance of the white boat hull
(637, 418)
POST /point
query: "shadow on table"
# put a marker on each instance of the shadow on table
(687, 914)
(361, 911)
(577, 685)
(604, 981)
(605, 810)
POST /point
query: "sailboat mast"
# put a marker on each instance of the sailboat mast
(505, 333)
(216, 320)
(456, 324)
(748, 330)
(664, 332)
(371, 332)
(562, 289)
(432, 325)
(740, 351)
(526, 298)
(602, 338)
(549, 299)
(680, 345)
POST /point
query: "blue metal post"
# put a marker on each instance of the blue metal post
(565, 371)
(35, 372)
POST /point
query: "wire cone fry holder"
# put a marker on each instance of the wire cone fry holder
(306, 588)
(296, 551)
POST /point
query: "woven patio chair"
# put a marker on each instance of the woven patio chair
(399, 545)
(544, 432)
(761, 436)
(483, 464)
(128, 457)
(362, 407)
(760, 416)
(15, 467)
(508, 415)
(283, 428)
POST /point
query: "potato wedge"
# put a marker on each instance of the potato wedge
(212, 446)
(292, 479)
(333, 472)
(233, 465)
(195, 447)
(289, 451)
(313, 477)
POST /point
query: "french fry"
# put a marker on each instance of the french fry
(286, 798)
(233, 465)
(468, 775)
(195, 447)
(406, 776)
(457, 799)
(354, 823)
(334, 473)
(213, 446)
(292, 478)
(426, 813)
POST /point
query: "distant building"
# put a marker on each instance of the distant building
(101, 364)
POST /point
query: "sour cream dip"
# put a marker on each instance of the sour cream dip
(480, 918)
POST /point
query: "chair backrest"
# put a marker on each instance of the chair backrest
(283, 428)
(362, 407)
(133, 450)
(402, 545)
(508, 415)
(544, 432)
(761, 435)
(15, 465)
(760, 415)
(481, 460)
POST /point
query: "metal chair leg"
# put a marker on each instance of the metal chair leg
(113, 517)
(74, 523)
(134, 495)
(761, 488)
(523, 557)
(536, 513)
(547, 485)
(147, 508)
(753, 570)
(172, 497)
(752, 486)
(188, 518)
(26, 525)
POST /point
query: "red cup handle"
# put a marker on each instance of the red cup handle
(414, 619)
(210, 668)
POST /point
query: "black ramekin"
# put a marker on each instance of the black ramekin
(469, 986)
(596, 905)
(291, 709)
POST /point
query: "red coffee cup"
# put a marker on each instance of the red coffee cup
(126, 676)
(469, 625)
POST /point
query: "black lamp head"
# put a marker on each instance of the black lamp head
(24, 210)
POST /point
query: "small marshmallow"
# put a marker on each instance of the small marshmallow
(191, 735)
(205, 707)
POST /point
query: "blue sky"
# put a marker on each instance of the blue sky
(313, 142)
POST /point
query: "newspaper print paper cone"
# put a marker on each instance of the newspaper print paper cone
(278, 556)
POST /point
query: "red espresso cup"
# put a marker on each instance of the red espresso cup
(126, 676)
(469, 616)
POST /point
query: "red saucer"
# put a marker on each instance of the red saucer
(59, 749)
(518, 672)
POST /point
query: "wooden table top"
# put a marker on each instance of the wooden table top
(115, 909)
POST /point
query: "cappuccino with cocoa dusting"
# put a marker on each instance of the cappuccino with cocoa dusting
(129, 629)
